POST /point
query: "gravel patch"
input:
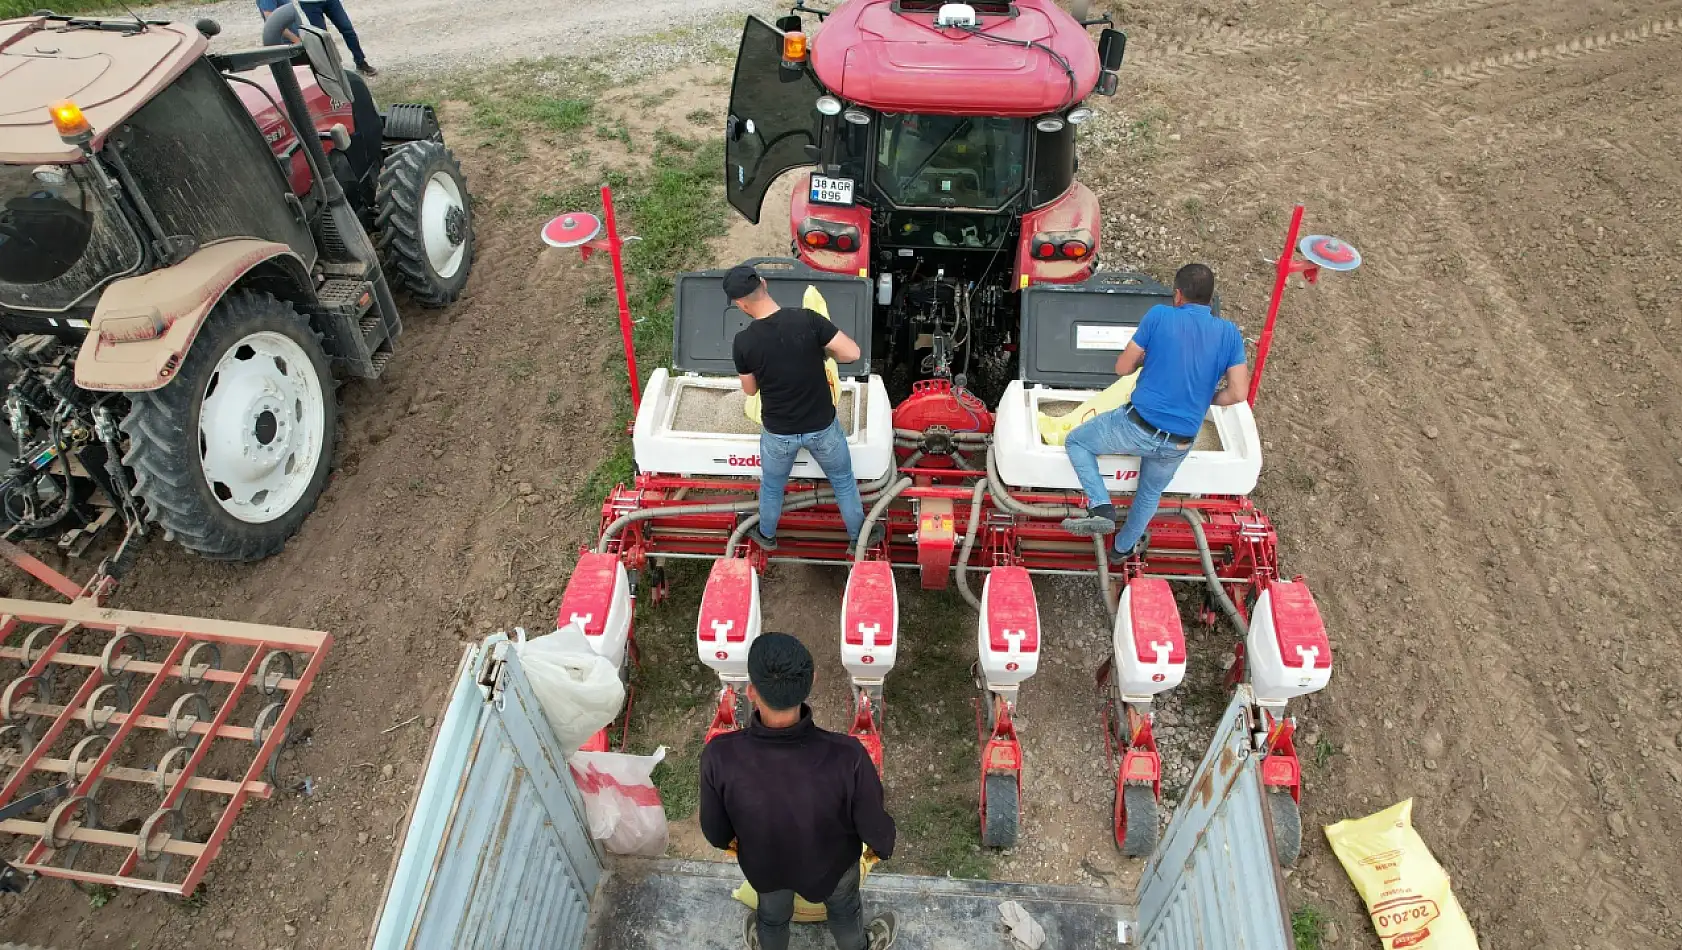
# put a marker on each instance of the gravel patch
(421, 37)
(702, 409)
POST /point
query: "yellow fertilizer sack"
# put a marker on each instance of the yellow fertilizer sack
(806, 912)
(1054, 429)
(1406, 890)
(813, 301)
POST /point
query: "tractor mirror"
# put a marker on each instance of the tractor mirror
(790, 24)
(1112, 46)
(323, 57)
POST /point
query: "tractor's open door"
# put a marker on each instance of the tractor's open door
(1214, 880)
(773, 118)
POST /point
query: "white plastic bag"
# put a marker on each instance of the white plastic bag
(580, 691)
(621, 801)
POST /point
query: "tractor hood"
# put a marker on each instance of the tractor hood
(109, 72)
(870, 53)
(1072, 333)
(705, 324)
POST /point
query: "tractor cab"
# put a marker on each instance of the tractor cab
(193, 246)
(942, 140)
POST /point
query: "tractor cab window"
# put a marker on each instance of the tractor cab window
(948, 161)
(59, 238)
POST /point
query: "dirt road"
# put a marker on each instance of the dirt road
(1474, 452)
(440, 36)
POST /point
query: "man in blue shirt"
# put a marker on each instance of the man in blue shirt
(1186, 351)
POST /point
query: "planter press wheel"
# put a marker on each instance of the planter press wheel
(1000, 817)
(1136, 821)
(1286, 818)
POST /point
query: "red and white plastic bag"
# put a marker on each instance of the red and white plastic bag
(620, 800)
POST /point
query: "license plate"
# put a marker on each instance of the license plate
(832, 191)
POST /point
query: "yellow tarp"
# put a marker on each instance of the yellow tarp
(813, 301)
(1406, 890)
(805, 912)
(1054, 429)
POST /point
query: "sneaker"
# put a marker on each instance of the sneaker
(881, 931)
(878, 533)
(769, 544)
(1099, 521)
(367, 69)
(750, 930)
(1118, 557)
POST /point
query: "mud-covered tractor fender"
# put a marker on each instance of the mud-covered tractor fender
(143, 326)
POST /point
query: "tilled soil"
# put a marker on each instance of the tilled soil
(1473, 452)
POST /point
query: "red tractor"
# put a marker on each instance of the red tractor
(193, 246)
(943, 229)
(943, 137)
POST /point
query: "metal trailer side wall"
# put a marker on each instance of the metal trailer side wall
(1214, 881)
(498, 851)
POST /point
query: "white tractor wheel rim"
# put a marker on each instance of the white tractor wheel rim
(262, 427)
(443, 225)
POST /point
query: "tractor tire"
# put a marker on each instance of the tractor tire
(425, 223)
(1287, 826)
(1136, 821)
(1000, 818)
(234, 452)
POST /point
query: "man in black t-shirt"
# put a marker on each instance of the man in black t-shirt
(780, 356)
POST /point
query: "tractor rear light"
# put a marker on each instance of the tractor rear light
(69, 120)
(1061, 245)
(819, 234)
(829, 105)
(794, 47)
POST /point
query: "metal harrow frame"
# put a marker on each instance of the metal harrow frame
(128, 662)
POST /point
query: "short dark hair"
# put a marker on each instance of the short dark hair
(741, 281)
(780, 669)
(1195, 282)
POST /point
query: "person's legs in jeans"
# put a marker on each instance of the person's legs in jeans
(1157, 465)
(846, 912)
(776, 909)
(320, 12)
(1083, 444)
(776, 460)
(829, 450)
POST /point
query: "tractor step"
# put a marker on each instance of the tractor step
(360, 338)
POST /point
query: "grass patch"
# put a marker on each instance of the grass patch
(673, 688)
(935, 804)
(701, 117)
(507, 107)
(99, 895)
(559, 115)
(1144, 135)
(1308, 928)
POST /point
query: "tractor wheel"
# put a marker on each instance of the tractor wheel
(1136, 823)
(999, 819)
(425, 223)
(1287, 826)
(232, 455)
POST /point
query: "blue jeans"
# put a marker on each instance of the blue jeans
(320, 11)
(1113, 433)
(829, 450)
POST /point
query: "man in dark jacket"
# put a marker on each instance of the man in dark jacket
(798, 802)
